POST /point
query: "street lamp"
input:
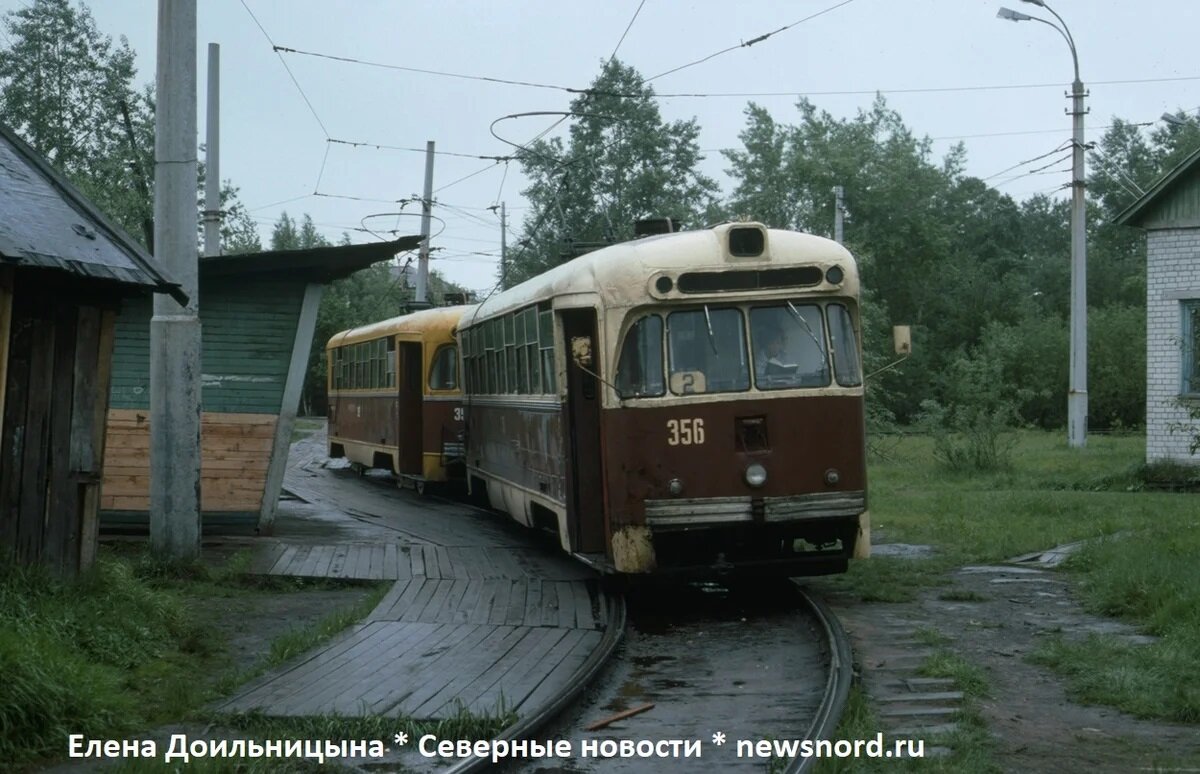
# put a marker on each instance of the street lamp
(1077, 396)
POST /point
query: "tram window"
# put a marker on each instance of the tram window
(640, 368)
(390, 363)
(549, 382)
(789, 347)
(443, 372)
(707, 350)
(845, 350)
(535, 370)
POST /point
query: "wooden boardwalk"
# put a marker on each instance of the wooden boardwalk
(484, 621)
(395, 561)
(435, 645)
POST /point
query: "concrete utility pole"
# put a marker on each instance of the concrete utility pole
(426, 211)
(839, 213)
(212, 156)
(503, 247)
(1077, 390)
(175, 330)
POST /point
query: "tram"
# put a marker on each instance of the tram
(395, 401)
(686, 402)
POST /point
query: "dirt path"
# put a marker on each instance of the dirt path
(995, 617)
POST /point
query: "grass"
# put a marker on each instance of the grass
(1049, 496)
(305, 427)
(119, 651)
(1148, 576)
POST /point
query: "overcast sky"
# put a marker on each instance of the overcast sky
(278, 152)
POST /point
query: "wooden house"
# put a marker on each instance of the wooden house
(65, 271)
(1169, 212)
(257, 316)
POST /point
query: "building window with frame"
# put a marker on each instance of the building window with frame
(1190, 366)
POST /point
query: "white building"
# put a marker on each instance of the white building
(1170, 214)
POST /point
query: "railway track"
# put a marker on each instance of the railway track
(763, 662)
(754, 662)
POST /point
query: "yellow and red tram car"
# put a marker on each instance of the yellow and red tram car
(395, 398)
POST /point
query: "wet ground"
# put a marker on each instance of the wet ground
(995, 617)
(745, 662)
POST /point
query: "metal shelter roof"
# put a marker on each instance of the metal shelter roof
(315, 264)
(46, 222)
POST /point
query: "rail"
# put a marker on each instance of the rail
(837, 682)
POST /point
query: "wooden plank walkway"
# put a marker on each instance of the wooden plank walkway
(394, 561)
(491, 623)
(422, 669)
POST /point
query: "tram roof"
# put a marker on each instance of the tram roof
(619, 273)
(426, 321)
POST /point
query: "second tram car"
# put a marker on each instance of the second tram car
(395, 401)
(684, 402)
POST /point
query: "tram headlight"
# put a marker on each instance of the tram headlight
(832, 477)
(756, 475)
(675, 486)
(834, 275)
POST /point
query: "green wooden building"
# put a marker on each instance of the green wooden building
(258, 312)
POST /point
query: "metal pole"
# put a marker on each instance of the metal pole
(212, 156)
(838, 213)
(426, 211)
(503, 247)
(1077, 395)
(174, 329)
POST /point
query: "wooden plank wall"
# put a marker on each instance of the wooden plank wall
(5, 318)
(235, 449)
(56, 385)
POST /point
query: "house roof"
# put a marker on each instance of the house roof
(1135, 214)
(314, 264)
(46, 222)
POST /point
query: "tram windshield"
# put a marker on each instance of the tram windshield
(789, 346)
(708, 350)
(640, 369)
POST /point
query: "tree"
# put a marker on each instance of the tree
(622, 163)
(69, 91)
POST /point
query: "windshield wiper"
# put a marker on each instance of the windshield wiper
(800, 319)
(712, 340)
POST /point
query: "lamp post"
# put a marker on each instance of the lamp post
(1077, 396)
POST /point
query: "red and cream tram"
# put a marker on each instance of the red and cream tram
(682, 402)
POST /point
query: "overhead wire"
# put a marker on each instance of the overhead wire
(1028, 161)
(751, 42)
(288, 69)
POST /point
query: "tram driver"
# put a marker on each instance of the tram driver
(769, 363)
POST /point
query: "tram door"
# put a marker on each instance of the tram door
(585, 480)
(410, 384)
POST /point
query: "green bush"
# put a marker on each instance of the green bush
(970, 439)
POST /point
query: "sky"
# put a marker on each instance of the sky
(953, 71)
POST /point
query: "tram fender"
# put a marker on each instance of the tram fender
(633, 549)
(862, 546)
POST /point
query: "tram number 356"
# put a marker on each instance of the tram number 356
(685, 432)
